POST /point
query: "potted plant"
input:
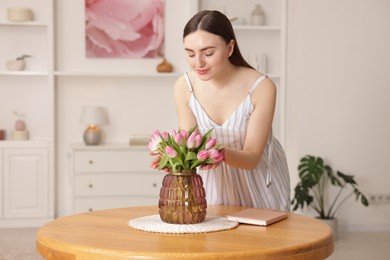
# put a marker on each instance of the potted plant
(311, 191)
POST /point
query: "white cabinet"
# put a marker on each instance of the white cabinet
(265, 42)
(26, 196)
(27, 185)
(25, 179)
(112, 176)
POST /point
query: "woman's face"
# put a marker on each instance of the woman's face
(207, 53)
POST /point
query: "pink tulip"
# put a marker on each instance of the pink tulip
(164, 135)
(178, 139)
(203, 155)
(194, 140)
(216, 155)
(172, 132)
(171, 152)
(198, 140)
(184, 135)
(154, 143)
(210, 143)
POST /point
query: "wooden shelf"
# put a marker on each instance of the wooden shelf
(32, 24)
(24, 144)
(24, 73)
(105, 74)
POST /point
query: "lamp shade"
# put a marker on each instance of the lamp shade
(93, 115)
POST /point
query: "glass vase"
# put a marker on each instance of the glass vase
(182, 198)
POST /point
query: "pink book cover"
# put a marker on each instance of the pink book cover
(258, 216)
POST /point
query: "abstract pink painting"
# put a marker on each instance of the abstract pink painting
(124, 28)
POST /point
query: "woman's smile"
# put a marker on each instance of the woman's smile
(202, 71)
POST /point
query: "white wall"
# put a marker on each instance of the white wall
(338, 91)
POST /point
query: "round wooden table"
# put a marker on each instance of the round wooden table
(105, 234)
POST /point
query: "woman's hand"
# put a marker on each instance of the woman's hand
(210, 166)
(219, 157)
(156, 162)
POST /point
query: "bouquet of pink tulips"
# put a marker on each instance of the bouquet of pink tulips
(185, 150)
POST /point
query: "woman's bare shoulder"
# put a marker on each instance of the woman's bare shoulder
(183, 85)
(248, 75)
(266, 89)
(181, 88)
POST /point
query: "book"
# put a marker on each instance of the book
(139, 140)
(258, 216)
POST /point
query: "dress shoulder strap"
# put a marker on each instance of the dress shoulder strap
(257, 82)
(188, 82)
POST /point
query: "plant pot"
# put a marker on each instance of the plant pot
(332, 223)
(182, 198)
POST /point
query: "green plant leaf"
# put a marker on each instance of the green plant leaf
(364, 200)
(333, 179)
(190, 156)
(192, 130)
(163, 162)
(302, 197)
(310, 170)
(346, 178)
(359, 194)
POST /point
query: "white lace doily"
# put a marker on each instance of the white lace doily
(154, 223)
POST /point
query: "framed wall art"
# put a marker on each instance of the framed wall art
(124, 28)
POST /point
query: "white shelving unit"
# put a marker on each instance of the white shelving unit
(27, 167)
(268, 39)
(119, 74)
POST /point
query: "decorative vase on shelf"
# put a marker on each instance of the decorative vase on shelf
(257, 16)
(2, 134)
(164, 66)
(20, 14)
(20, 132)
(182, 198)
(18, 64)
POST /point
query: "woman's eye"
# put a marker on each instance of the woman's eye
(209, 54)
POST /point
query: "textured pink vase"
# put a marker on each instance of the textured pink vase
(182, 198)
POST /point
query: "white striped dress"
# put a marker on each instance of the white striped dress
(227, 185)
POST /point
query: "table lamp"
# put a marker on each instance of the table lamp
(93, 116)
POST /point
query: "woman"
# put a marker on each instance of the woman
(225, 93)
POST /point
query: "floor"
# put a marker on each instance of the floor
(362, 246)
(19, 244)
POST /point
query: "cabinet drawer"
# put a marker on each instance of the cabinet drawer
(112, 161)
(146, 183)
(91, 204)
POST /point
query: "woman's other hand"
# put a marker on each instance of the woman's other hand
(156, 162)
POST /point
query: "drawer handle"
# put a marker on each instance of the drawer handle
(90, 161)
(90, 186)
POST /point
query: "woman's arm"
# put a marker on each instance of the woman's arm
(259, 126)
(184, 114)
(182, 95)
